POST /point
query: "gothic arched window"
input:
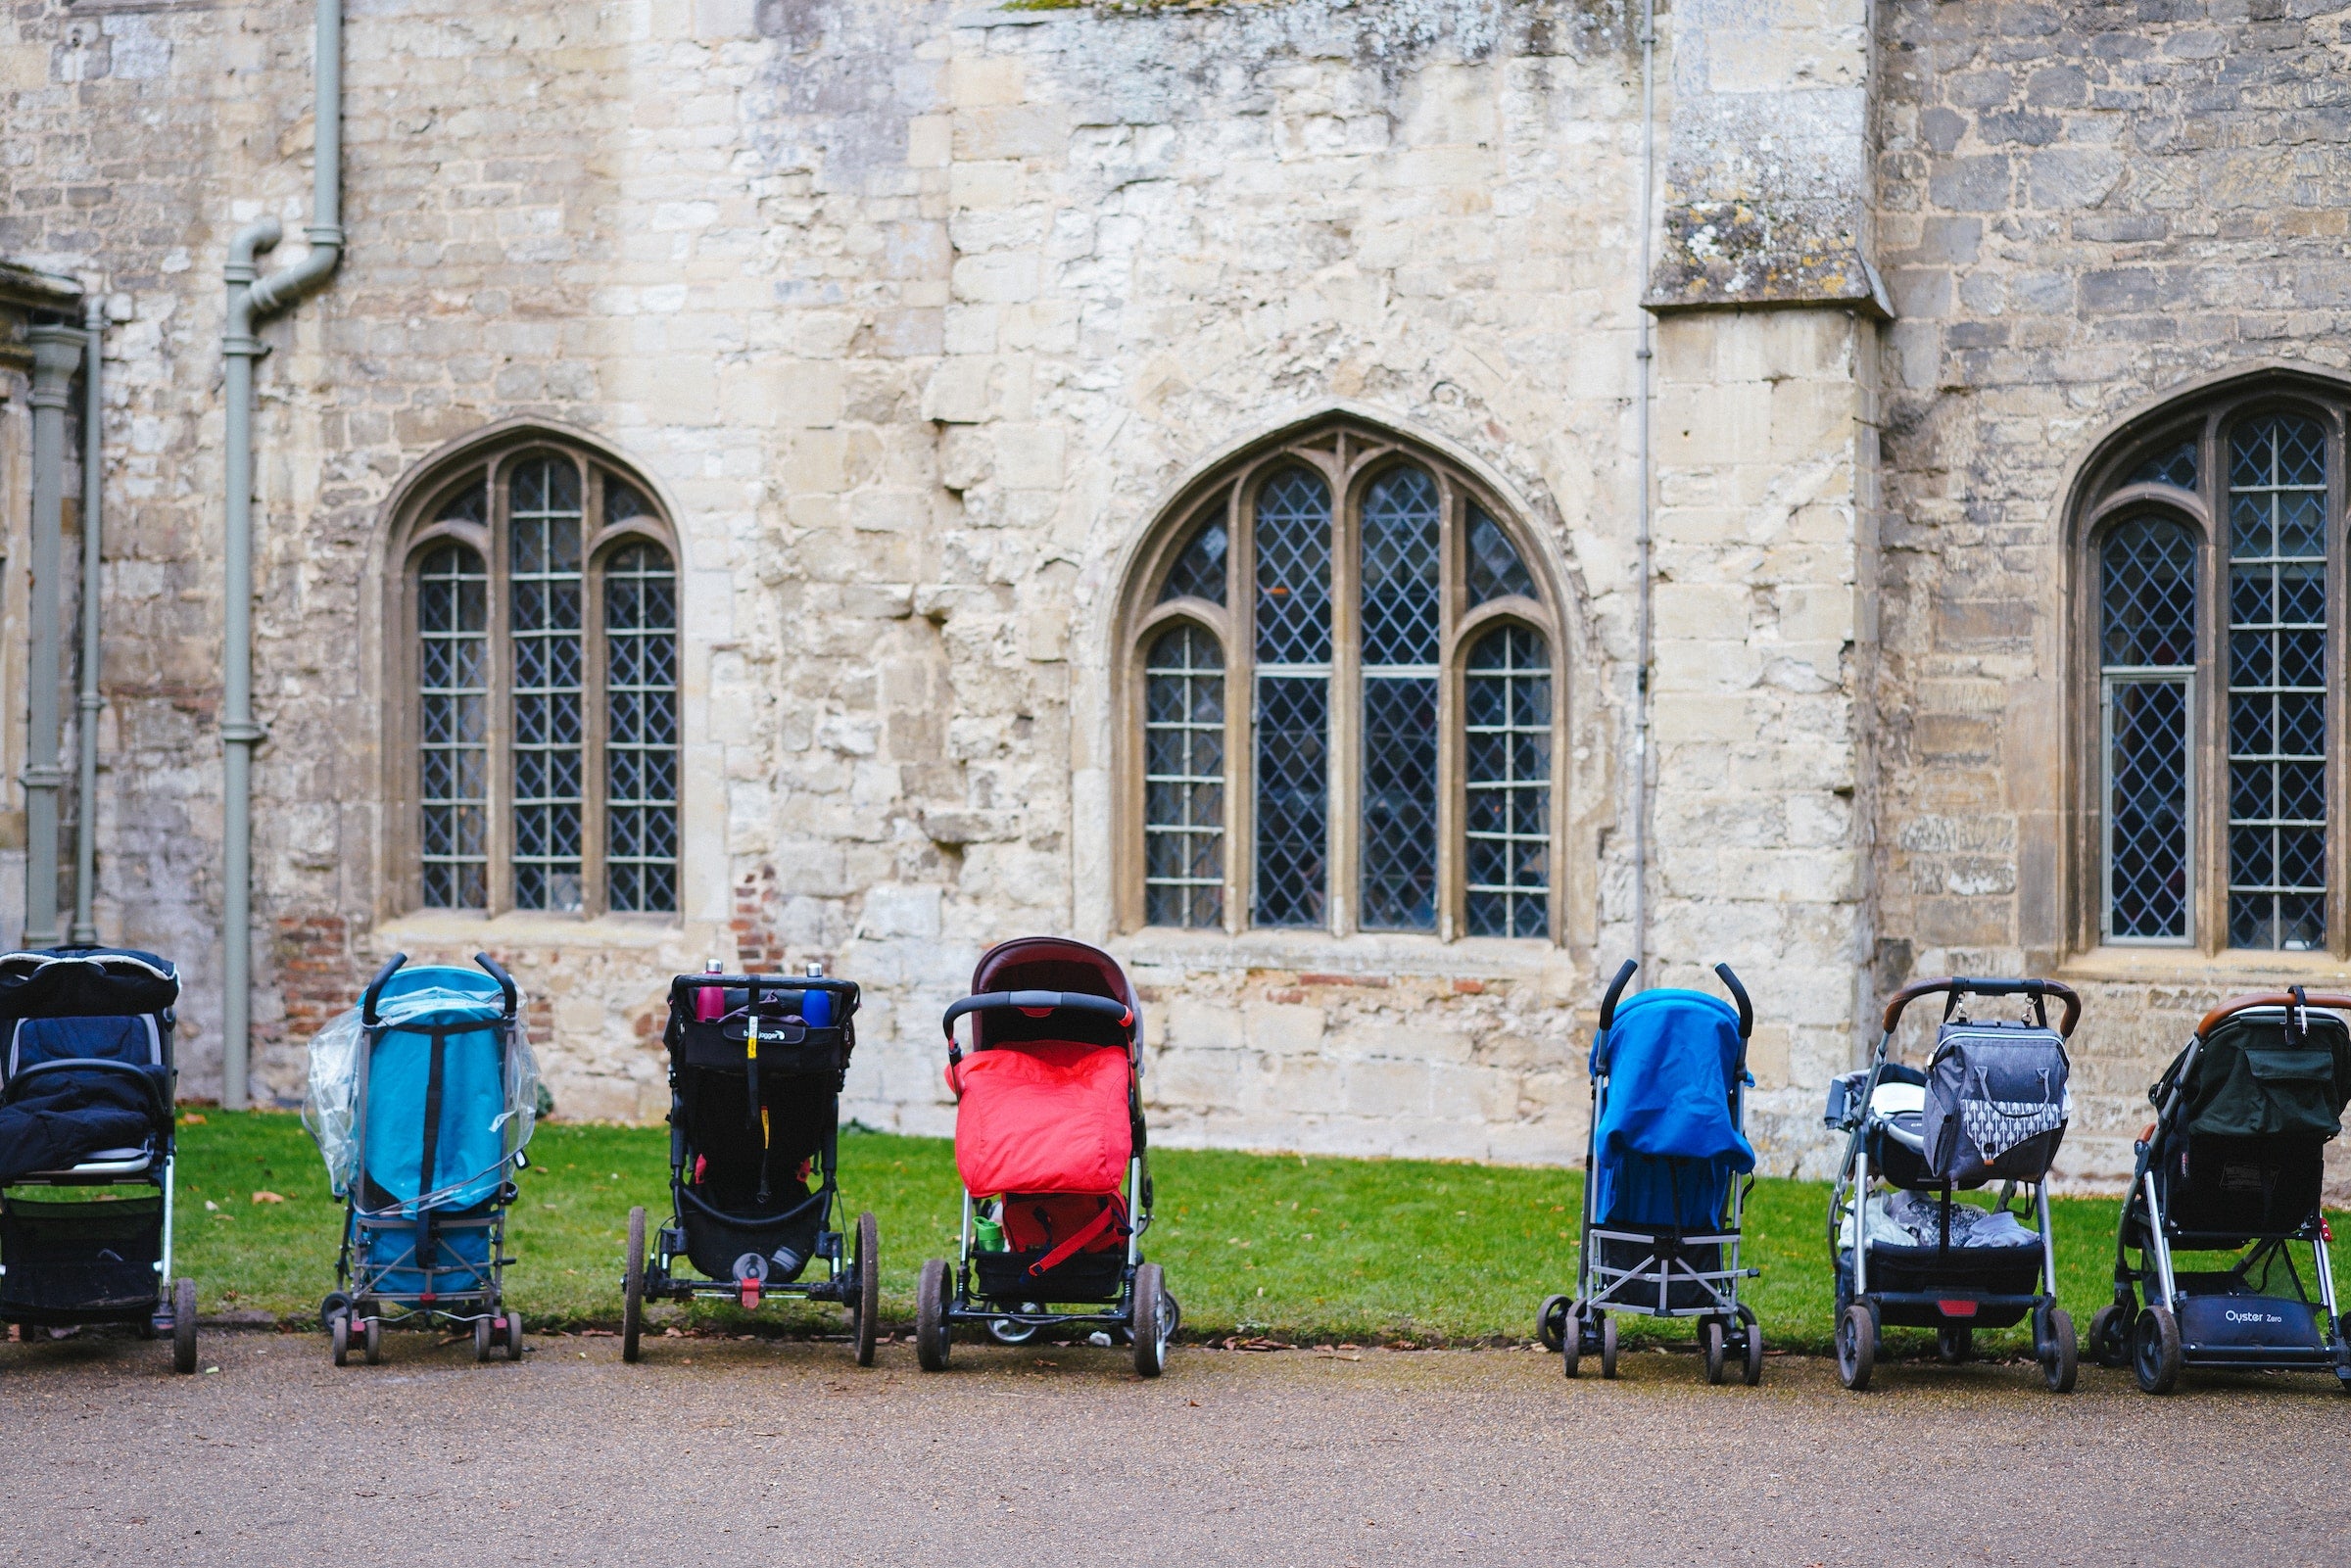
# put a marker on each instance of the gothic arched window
(537, 619)
(1345, 698)
(2212, 550)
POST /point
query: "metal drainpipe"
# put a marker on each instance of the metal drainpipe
(250, 303)
(55, 352)
(93, 496)
(1643, 355)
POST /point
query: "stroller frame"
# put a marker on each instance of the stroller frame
(171, 1310)
(1954, 1309)
(362, 1303)
(1141, 1312)
(1583, 1324)
(2150, 1339)
(852, 1278)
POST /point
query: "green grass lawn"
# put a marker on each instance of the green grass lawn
(1291, 1247)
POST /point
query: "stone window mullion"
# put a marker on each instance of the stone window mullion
(501, 834)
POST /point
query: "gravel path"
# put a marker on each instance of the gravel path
(713, 1449)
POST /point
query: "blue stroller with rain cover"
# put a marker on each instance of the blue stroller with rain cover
(86, 1148)
(421, 1101)
(1663, 1201)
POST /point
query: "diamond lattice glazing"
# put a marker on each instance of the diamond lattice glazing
(641, 730)
(1495, 569)
(544, 590)
(2148, 590)
(2147, 809)
(1293, 569)
(453, 627)
(2174, 465)
(1399, 803)
(1293, 800)
(1400, 535)
(1199, 570)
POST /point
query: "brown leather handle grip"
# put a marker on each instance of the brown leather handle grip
(2254, 999)
(1961, 985)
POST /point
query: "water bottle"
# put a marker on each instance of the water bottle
(709, 1001)
(816, 1007)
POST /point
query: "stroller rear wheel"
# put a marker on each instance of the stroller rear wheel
(931, 1327)
(1150, 1323)
(1710, 1337)
(1549, 1318)
(481, 1338)
(371, 1341)
(1857, 1346)
(338, 1335)
(1753, 1370)
(183, 1325)
(632, 1287)
(2110, 1335)
(1954, 1343)
(2156, 1350)
(2058, 1353)
(514, 1335)
(865, 1314)
(1607, 1347)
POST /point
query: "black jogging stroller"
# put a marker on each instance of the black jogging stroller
(756, 1064)
(2233, 1164)
(1990, 1105)
(421, 1101)
(1664, 1193)
(86, 1144)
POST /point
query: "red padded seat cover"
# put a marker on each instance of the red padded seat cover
(1045, 1116)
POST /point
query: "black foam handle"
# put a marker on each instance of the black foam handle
(1039, 1002)
(506, 981)
(1608, 1003)
(1746, 1009)
(375, 988)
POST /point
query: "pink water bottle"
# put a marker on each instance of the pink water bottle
(709, 1001)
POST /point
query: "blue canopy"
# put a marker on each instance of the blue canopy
(1666, 1147)
(470, 1144)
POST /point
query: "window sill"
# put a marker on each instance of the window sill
(2186, 966)
(444, 928)
(1364, 954)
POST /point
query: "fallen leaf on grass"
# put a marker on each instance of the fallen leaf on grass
(266, 1196)
(193, 1118)
(1261, 1342)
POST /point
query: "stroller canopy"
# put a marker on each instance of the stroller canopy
(91, 983)
(1666, 1147)
(2258, 1076)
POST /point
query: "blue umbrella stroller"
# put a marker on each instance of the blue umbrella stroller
(1662, 1195)
(86, 1097)
(421, 1101)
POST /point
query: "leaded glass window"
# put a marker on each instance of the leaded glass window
(2147, 639)
(1342, 658)
(546, 722)
(1183, 779)
(2277, 664)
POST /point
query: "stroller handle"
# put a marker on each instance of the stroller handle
(1608, 1003)
(2254, 999)
(375, 988)
(1039, 1002)
(1722, 972)
(506, 982)
(1960, 985)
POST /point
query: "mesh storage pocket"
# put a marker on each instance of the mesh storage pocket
(1682, 1293)
(81, 1256)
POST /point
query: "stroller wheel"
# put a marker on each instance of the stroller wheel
(1007, 1332)
(1710, 1337)
(1954, 1343)
(632, 1287)
(866, 1313)
(1150, 1324)
(1607, 1347)
(2110, 1335)
(1752, 1372)
(933, 1330)
(2156, 1350)
(514, 1335)
(1857, 1346)
(334, 1303)
(183, 1325)
(481, 1338)
(338, 1335)
(1571, 1339)
(371, 1341)
(1548, 1318)
(2059, 1359)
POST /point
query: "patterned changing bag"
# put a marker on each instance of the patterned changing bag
(1996, 1102)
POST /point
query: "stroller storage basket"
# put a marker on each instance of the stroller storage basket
(77, 1262)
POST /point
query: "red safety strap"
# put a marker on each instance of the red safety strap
(1085, 1233)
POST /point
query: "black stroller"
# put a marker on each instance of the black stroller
(756, 1064)
(86, 1108)
(1991, 1104)
(2233, 1164)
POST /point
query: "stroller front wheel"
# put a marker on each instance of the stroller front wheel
(632, 1287)
(1752, 1372)
(514, 1335)
(2156, 1350)
(2110, 1335)
(1004, 1331)
(371, 1341)
(1571, 1339)
(1955, 1344)
(1608, 1347)
(1150, 1323)
(481, 1338)
(183, 1325)
(1710, 1340)
(868, 1306)
(2059, 1356)
(1548, 1318)
(338, 1335)
(933, 1328)
(1857, 1346)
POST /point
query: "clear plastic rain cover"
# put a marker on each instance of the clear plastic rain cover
(331, 1107)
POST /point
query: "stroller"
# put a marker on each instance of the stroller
(1661, 1162)
(1991, 1104)
(421, 1101)
(86, 1084)
(755, 1067)
(1049, 1129)
(2233, 1164)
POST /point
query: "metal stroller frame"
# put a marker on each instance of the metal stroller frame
(2150, 1341)
(1954, 1308)
(1142, 1311)
(172, 1307)
(360, 1303)
(1585, 1323)
(851, 1278)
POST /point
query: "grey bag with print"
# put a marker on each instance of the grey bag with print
(1996, 1102)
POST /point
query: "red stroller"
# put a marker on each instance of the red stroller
(1049, 1143)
